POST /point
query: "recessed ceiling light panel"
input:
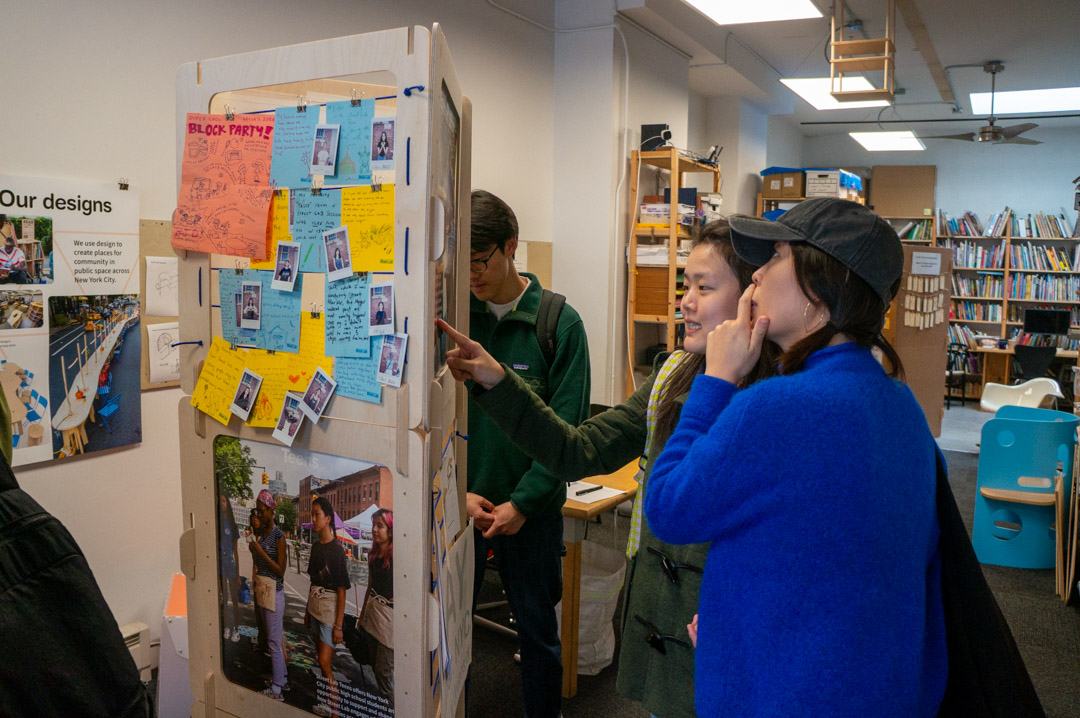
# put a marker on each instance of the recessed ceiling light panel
(905, 141)
(738, 12)
(1061, 99)
(815, 90)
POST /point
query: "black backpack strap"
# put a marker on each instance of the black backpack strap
(547, 323)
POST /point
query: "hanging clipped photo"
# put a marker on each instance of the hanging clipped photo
(392, 359)
(324, 151)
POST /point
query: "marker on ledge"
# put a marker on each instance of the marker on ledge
(588, 490)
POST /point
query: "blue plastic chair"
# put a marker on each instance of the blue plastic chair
(35, 408)
(108, 410)
(28, 379)
(1022, 449)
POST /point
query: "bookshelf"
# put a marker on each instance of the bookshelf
(35, 260)
(919, 230)
(654, 264)
(999, 271)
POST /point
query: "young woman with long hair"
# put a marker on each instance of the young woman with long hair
(816, 488)
(662, 580)
(271, 557)
(377, 614)
(229, 563)
(326, 599)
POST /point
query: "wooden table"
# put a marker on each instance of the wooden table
(575, 517)
(10, 380)
(996, 364)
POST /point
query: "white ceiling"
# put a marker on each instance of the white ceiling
(1038, 41)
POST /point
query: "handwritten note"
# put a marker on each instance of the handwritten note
(294, 136)
(314, 214)
(224, 185)
(354, 158)
(356, 377)
(311, 356)
(163, 357)
(279, 329)
(370, 218)
(278, 230)
(273, 368)
(217, 382)
(346, 317)
(162, 298)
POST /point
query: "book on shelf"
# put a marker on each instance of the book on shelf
(973, 255)
(1019, 336)
(1043, 225)
(916, 229)
(967, 225)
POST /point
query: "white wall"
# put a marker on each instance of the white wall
(90, 94)
(784, 147)
(976, 177)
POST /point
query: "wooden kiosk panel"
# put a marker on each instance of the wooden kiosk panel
(431, 252)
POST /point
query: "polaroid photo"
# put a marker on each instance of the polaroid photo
(382, 143)
(251, 305)
(285, 269)
(324, 151)
(239, 307)
(381, 308)
(338, 254)
(246, 391)
(318, 393)
(292, 417)
(392, 359)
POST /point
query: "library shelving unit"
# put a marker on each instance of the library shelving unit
(914, 230)
(35, 260)
(995, 278)
(654, 289)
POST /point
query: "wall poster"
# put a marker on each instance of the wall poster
(70, 349)
(267, 501)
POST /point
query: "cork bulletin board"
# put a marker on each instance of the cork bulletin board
(154, 235)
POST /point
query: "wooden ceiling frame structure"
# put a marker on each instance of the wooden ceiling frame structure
(870, 55)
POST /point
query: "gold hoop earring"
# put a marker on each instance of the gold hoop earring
(806, 325)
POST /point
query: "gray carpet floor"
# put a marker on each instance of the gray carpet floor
(1047, 632)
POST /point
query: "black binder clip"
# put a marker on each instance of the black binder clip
(239, 269)
(301, 104)
(232, 346)
(278, 192)
(316, 190)
(271, 352)
(376, 187)
(314, 311)
(229, 115)
(355, 98)
(123, 183)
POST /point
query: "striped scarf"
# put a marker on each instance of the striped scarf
(659, 387)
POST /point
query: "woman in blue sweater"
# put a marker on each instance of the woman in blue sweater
(822, 587)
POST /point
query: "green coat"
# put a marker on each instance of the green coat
(664, 683)
(498, 470)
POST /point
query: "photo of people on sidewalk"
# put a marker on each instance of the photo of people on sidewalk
(306, 595)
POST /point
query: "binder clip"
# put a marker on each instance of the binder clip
(278, 192)
(301, 104)
(316, 190)
(229, 113)
(239, 269)
(271, 352)
(314, 311)
(376, 187)
(232, 345)
(355, 98)
(123, 183)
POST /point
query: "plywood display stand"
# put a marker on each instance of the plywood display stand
(408, 430)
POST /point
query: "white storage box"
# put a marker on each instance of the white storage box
(822, 183)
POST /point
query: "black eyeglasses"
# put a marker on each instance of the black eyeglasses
(671, 568)
(480, 265)
(656, 639)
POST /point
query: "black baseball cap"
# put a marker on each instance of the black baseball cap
(846, 231)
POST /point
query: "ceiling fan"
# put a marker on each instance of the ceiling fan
(991, 132)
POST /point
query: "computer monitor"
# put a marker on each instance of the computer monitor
(1046, 321)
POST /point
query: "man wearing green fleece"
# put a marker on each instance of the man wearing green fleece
(515, 504)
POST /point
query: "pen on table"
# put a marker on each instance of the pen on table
(588, 490)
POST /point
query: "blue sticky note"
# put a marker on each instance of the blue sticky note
(347, 317)
(354, 153)
(290, 155)
(356, 377)
(314, 214)
(279, 328)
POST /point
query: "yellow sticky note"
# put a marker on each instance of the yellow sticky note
(218, 381)
(312, 353)
(370, 219)
(279, 229)
(273, 369)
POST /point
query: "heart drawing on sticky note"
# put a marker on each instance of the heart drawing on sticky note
(295, 377)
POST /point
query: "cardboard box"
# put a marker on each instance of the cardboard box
(822, 183)
(772, 186)
(904, 191)
(793, 184)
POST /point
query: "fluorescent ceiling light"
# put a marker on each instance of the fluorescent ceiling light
(905, 141)
(737, 12)
(1061, 99)
(815, 90)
